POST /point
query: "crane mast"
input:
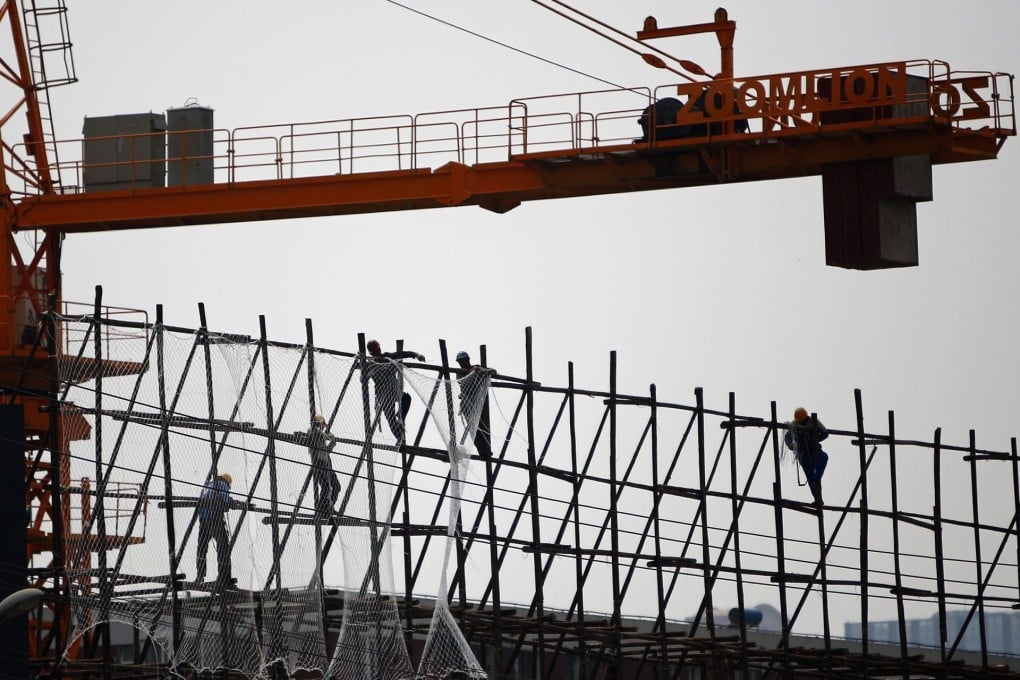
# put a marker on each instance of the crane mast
(30, 276)
(859, 124)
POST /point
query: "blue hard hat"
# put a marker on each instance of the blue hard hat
(462, 355)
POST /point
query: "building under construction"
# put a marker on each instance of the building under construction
(250, 508)
(582, 531)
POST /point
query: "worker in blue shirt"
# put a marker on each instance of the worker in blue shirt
(804, 436)
(213, 505)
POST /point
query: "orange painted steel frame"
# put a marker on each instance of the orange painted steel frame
(31, 280)
(792, 119)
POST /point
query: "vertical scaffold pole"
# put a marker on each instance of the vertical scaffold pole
(614, 528)
(706, 555)
(735, 511)
(863, 546)
(661, 669)
(1016, 498)
(490, 510)
(536, 524)
(203, 337)
(940, 573)
(367, 458)
(978, 566)
(164, 447)
(317, 491)
(777, 510)
(823, 559)
(105, 587)
(898, 574)
(457, 485)
(274, 491)
(58, 458)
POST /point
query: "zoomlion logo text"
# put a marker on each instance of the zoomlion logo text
(797, 98)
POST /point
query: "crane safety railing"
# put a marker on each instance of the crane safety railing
(120, 500)
(117, 340)
(833, 100)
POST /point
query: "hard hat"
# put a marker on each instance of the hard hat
(373, 345)
(799, 414)
(463, 355)
(225, 476)
(319, 418)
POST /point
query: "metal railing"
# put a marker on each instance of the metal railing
(774, 106)
(124, 332)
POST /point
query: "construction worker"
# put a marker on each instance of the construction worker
(385, 373)
(804, 436)
(474, 407)
(325, 482)
(213, 505)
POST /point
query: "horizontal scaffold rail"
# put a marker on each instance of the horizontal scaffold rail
(622, 527)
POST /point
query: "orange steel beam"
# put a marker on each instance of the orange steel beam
(497, 186)
(723, 27)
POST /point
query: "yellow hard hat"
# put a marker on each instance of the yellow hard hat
(799, 414)
(225, 476)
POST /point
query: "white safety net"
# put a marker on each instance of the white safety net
(455, 410)
(219, 488)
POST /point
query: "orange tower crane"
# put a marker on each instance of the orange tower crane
(872, 132)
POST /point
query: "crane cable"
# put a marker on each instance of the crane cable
(509, 47)
(684, 63)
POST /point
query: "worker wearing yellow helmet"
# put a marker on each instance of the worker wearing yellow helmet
(213, 505)
(804, 436)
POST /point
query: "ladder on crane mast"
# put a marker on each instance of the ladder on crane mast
(48, 40)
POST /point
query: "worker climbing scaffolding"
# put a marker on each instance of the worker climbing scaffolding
(325, 480)
(804, 436)
(384, 370)
(474, 404)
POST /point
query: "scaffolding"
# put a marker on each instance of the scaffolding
(599, 534)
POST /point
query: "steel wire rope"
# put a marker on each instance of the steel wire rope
(544, 516)
(950, 599)
(715, 529)
(588, 524)
(511, 47)
(755, 534)
(835, 590)
(617, 31)
(306, 464)
(598, 560)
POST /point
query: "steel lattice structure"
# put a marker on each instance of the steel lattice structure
(622, 506)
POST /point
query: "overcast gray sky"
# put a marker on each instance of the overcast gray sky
(723, 287)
